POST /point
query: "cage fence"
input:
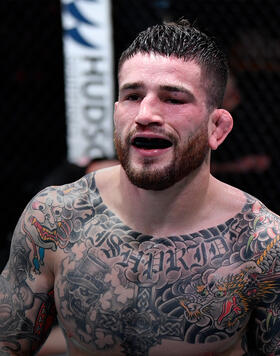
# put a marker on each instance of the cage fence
(32, 108)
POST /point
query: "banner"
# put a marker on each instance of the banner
(89, 87)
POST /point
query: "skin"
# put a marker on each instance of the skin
(188, 270)
(160, 110)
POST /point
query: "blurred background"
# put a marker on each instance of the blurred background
(32, 111)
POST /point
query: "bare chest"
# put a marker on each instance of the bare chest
(118, 288)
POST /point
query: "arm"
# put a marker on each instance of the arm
(27, 308)
(263, 335)
(55, 343)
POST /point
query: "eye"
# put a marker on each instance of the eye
(132, 97)
(174, 101)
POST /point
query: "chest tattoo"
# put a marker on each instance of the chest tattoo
(118, 286)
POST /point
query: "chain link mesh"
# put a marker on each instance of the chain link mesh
(249, 32)
(32, 136)
(32, 89)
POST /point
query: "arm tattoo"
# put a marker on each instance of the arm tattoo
(118, 286)
(26, 313)
(127, 287)
(14, 322)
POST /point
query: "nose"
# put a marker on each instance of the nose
(149, 112)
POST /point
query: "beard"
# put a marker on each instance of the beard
(185, 160)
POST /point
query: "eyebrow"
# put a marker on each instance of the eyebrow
(177, 89)
(169, 88)
(129, 86)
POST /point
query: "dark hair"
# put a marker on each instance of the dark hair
(182, 40)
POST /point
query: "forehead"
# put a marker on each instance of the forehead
(157, 69)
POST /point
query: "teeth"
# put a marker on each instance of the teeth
(151, 143)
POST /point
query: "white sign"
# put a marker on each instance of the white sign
(89, 86)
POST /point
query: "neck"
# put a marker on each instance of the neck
(173, 209)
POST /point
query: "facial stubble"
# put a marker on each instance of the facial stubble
(187, 159)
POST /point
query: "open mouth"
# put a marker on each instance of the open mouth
(151, 143)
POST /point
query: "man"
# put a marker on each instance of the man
(153, 256)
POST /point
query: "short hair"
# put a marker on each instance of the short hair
(182, 40)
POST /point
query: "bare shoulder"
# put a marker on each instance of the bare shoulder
(262, 225)
(49, 226)
(65, 197)
(264, 237)
(255, 225)
(53, 220)
(108, 178)
(231, 199)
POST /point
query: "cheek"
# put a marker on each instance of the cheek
(118, 120)
(123, 119)
(120, 125)
(121, 130)
(183, 126)
(187, 117)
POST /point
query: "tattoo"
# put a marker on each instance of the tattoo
(25, 315)
(44, 321)
(118, 286)
(14, 323)
(139, 289)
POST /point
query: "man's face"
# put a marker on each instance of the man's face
(161, 120)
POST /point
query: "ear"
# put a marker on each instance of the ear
(220, 125)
